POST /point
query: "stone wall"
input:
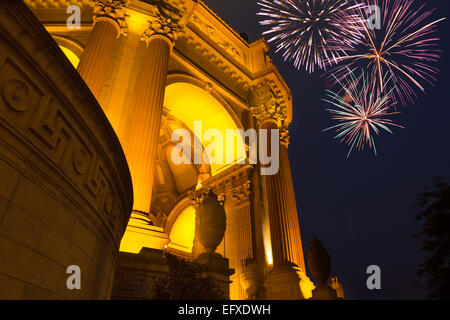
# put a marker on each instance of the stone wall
(65, 187)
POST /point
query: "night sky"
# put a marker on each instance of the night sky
(360, 207)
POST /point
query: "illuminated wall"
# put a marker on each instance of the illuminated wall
(190, 103)
(183, 231)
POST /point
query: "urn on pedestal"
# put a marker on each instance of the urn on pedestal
(319, 264)
(210, 219)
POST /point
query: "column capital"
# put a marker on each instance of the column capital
(113, 11)
(265, 106)
(242, 194)
(166, 22)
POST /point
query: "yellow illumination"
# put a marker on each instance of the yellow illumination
(140, 234)
(183, 231)
(306, 285)
(71, 56)
(268, 249)
(137, 22)
(190, 103)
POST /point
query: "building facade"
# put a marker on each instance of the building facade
(155, 67)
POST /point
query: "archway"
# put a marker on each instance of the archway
(192, 105)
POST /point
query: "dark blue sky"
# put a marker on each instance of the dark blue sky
(360, 207)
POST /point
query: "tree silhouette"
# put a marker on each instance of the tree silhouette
(186, 281)
(434, 206)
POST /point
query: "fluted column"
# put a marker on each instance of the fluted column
(109, 23)
(277, 208)
(142, 140)
(282, 282)
(295, 253)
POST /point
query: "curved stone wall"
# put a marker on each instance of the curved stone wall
(65, 187)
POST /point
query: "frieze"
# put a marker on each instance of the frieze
(32, 110)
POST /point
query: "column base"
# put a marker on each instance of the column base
(282, 283)
(141, 234)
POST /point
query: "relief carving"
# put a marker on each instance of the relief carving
(242, 193)
(212, 33)
(51, 129)
(17, 95)
(79, 161)
(265, 105)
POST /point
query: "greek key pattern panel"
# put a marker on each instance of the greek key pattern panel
(32, 110)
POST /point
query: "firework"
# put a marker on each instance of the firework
(362, 110)
(311, 32)
(403, 48)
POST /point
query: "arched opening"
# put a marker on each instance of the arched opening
(72, 49)
(193, 105)
(73, 58)
(183, 231)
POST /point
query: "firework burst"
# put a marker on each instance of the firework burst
(362, 111)
(404, 47)
(311, 32)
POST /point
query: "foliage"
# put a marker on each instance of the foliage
(434, 206)
(186, 281)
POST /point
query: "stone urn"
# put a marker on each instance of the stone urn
(210, 220)
(319, 262)
(249, 278)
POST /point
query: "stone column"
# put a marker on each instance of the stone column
(142, 139)
(109, 23)
(295, 253)
(282, 282)
(142, 134)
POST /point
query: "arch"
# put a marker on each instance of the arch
(181, 226)
(186, 98)
(71, 49)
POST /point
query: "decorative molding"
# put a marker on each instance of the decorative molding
(214, 35)
(237, 74)
(231, 179)
(35, 4)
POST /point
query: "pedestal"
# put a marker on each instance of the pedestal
(217, 268)
(282, 283)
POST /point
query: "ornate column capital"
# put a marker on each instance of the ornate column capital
(113, 11)
(242, 194)
(265, 106)
(166, 22)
